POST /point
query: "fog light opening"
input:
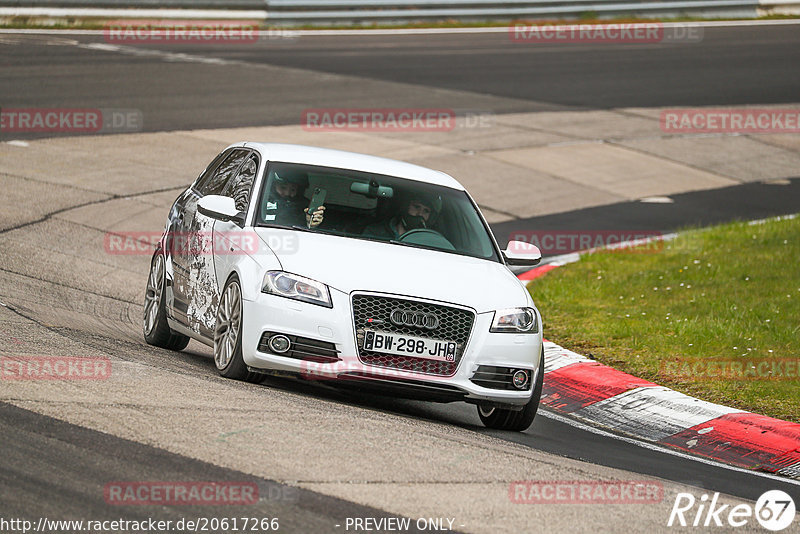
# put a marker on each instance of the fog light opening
(521, 378)
(279, 343)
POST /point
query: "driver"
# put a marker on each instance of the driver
(285, 203)
(420, 211)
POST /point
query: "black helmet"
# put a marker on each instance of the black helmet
(289, 178)
(432, 201)
(300, 180)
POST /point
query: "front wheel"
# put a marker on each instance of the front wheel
(517, 420)
(228, 335)
(155, 327)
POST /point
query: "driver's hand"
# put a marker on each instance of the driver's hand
(315, 219)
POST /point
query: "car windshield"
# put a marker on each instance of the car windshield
(375, 207)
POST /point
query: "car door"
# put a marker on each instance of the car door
(232, 241)
(175, 241)
(194, 288)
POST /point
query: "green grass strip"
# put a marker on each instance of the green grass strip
(714, 314)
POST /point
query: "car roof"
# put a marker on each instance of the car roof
(341, 159)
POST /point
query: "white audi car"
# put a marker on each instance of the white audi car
(370, 272)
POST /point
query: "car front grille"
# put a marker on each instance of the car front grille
(373, 311)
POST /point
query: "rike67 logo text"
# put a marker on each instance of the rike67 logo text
(774, 510)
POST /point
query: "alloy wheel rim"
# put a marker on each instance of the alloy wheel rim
(152, 298)
(226, 330)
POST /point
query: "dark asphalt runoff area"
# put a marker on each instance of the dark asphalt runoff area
(59, 471)
(730, 66)
(208, 88)
(556, 437)
(755, 200)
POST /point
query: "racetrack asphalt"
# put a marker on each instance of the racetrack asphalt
(59, 471)
(70, 297)
(271, 81)
(747, 201)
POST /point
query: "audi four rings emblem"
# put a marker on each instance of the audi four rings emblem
(414, 319)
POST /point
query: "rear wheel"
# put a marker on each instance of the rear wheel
(518, 420)
(155, 327)
(228, 335)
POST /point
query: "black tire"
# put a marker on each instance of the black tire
(228, 335)
(516, 420)
(155, 328)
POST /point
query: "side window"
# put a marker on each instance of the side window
(219, 179)
(209, 171)
(240, 187)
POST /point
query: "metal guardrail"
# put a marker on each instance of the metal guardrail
(138, 4)
(345, 11)
(459, 3)
(307, 10)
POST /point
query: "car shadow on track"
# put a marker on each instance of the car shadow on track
(198, 359)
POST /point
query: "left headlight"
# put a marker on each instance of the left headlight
(297, 287)
(515, 320)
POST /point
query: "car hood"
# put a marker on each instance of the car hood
(350, 264)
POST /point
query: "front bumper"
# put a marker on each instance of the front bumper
(270, 313)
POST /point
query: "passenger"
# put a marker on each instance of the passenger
(285, 203)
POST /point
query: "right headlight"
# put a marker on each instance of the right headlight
(297, 287)
(515, 320)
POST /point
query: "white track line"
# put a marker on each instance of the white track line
(412, 31)
(506, 29)
(199, 14)
(664, 449)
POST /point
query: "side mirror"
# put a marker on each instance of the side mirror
(521, 253)
(220, 208)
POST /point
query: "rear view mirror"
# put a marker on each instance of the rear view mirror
(521, 253)
(372, 189)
